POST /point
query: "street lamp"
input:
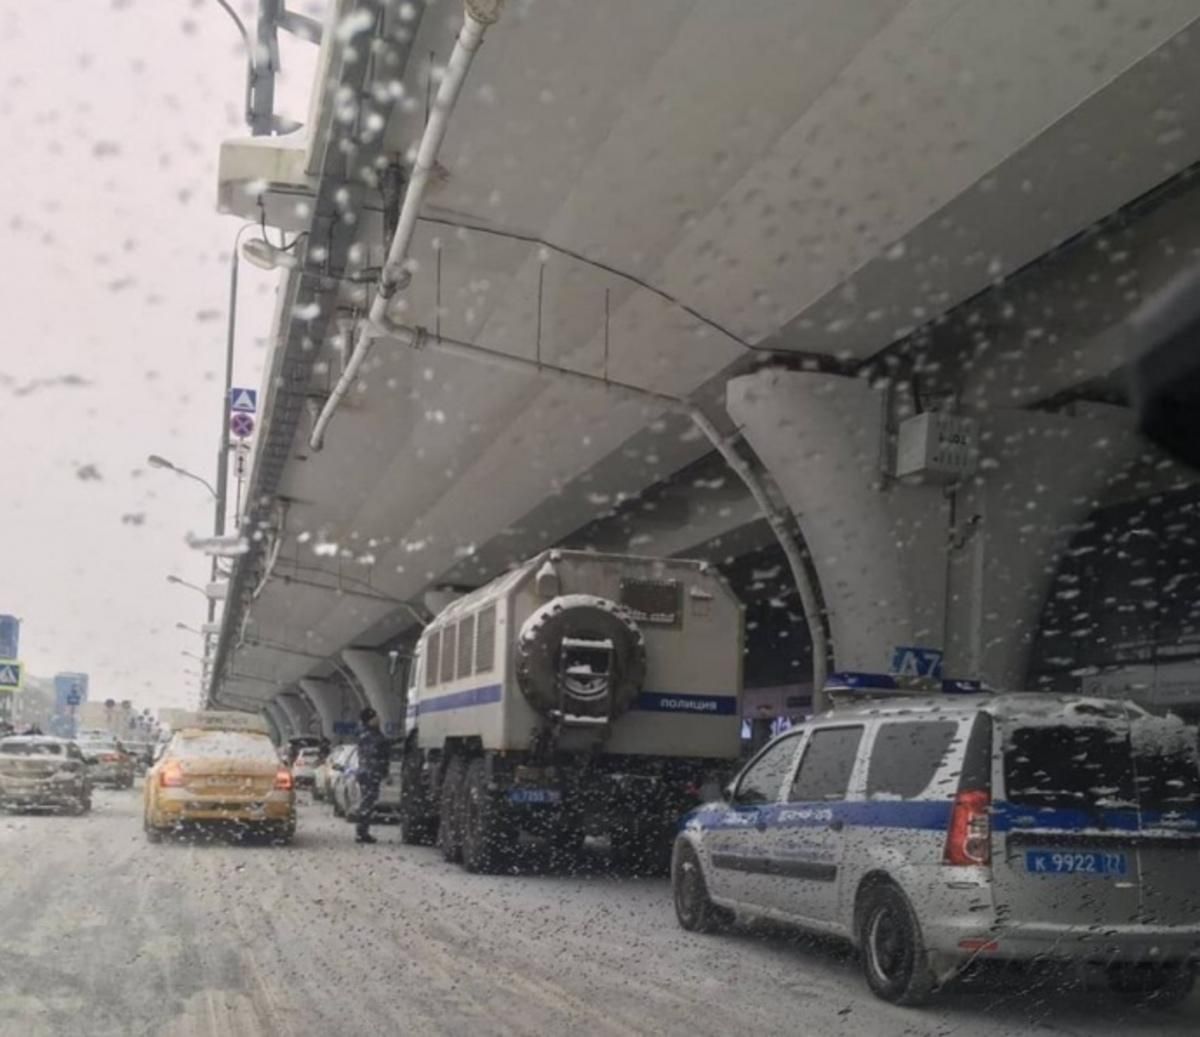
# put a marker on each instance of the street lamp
(154, 461)
(172, 578)
(192, 655)
(190, 630)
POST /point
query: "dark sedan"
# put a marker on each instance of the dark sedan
(38, 771)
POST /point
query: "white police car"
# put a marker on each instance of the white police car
(936, 830)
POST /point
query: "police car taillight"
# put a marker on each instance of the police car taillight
(969, 838)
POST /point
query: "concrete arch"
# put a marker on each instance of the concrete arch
(893, 570)
(279, 717)
(300, 712)
(333, 703)
(372, 670)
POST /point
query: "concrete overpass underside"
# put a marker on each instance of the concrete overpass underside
(814, 219)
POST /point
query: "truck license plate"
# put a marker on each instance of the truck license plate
(1053, 862)
(534, 796)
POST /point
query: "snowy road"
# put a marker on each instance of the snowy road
(105, 934)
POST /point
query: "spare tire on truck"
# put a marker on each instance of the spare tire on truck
(581, 656)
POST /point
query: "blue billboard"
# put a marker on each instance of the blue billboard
(10, 637)
(70, 691)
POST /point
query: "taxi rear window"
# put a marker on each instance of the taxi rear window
(233, 745)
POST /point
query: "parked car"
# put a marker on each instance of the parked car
(387, 807)
(291, 748)
(208, 777)
(304, 767)
(107, 761)
(328, 769)
(934, 832)
(342, 780)
(39, 771)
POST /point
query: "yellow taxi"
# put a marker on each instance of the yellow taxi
(220, 769)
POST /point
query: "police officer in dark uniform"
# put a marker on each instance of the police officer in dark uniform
(374, 759)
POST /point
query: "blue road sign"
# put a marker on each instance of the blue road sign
(345, 727)
(10, 637)
(245, 400)
(910, 661)
(10, 675)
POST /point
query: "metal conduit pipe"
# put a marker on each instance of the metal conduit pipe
(478, 15)
(418, 337)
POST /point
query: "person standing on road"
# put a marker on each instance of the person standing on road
(374, 760)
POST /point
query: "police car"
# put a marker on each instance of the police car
(934, 831)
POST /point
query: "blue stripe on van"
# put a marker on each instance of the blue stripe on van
(915, 814)
(647, 701)
(482, 696)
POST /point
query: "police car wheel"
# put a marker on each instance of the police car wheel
(449, 839)
(893, 953)
(693, 908)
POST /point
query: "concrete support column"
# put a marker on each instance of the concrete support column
(298, 711)
(273, 728)
(875, 545)
(280, 719)
(890, 556)
(332, 703)
(384, 692)
(1040, 476)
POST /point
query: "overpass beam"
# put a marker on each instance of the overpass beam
(384, 693)
(889, 556)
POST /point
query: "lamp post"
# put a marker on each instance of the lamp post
(172, 578)
(155, 461)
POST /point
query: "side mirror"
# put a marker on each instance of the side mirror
(338, 766)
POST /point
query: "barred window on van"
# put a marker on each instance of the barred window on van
(466, 646)
(448, 646)
(432, 655)
(906, 757)
(485, 640)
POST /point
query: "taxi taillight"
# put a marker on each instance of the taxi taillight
(283, 779)
(171, 776)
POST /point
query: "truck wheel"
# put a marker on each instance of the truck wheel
(153, 835)
(1157, 986)
(566, 848)
(893, 953)
(417, 827)
(449, 837)
(484, 840)
(693, 908)
(641, 851)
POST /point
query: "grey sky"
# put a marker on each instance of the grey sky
(115, 272)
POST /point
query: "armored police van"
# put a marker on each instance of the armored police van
(579, 694)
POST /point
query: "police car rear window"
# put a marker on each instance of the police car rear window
(826, 766)
(906, 758)
(1067, 766)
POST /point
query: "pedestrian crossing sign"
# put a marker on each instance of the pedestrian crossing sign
(10, 675)
(244, 401)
